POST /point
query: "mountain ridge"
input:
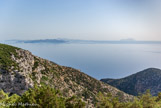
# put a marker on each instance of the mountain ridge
(139, 82)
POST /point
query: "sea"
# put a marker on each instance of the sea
(99, 60)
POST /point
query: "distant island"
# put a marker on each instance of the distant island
(61, 41)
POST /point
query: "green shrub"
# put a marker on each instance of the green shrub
(47, 97)
(6, 52)
(145, 100)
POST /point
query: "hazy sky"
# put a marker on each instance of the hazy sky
(80, 19)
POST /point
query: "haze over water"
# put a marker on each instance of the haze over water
(100, 60)
(87, 20)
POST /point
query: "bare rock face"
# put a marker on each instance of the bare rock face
(24, 70)
(18, 80)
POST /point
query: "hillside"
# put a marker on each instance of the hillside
(139, 82)
(20, 70)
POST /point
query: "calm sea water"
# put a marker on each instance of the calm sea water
(100, 60)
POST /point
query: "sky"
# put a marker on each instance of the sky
(80, 19)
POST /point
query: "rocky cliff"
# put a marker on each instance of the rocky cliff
(20, 70)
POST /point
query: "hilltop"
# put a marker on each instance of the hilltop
(20, 70)
(138, 83)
